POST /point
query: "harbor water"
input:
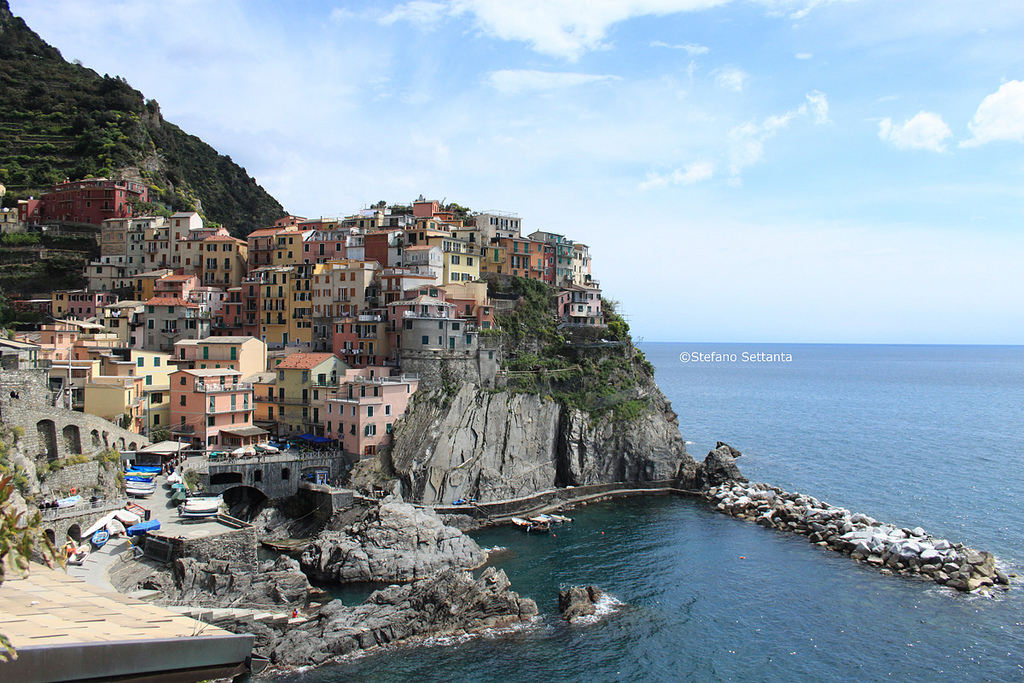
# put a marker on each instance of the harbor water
(915, 435)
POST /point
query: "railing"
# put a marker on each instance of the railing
(218, 410)
(82, 508)
(184, 429)
(209, 388)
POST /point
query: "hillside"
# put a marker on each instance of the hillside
(61, 120)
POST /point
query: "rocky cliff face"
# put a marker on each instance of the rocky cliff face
(492, 445)
(394, 542)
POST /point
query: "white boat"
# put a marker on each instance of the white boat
(127, 517)
(174, 478)
(199, 507)
(115, 528)
(531, 525)
(552, 519)
(69, 502)
(139, 489)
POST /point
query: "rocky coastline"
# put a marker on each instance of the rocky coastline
(889, 548)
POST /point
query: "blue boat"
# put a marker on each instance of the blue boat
(143, 528)
(144, 468)
(142, 480)
(100, 537)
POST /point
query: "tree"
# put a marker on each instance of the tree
(18, 538)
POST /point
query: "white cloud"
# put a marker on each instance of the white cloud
(416, 12)
(691, 49)
(566, 28)
(692, 173)
(747, 141)
(1000, 116)
(515, 81)
(730, 78)
(804, 55)
(924, 131)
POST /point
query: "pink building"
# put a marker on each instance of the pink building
(213, 408)
(364, 412)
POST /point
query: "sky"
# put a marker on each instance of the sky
(833, 171)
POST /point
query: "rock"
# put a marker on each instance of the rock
(498, 445)
(216, 583)
(719, 466)
(578, 601)
(395, 542)
(447, 602)
(1002, 578)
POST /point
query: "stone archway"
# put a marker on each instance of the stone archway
(245, 502)
(120, 443)
(106, 440)
(133, 446)
(75, 533)
(96, 443)
(72, 439)
(51, 535)
(47, 439)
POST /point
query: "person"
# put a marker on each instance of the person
(295, 613)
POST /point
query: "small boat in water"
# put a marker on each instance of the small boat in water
(100, 537)
(552, 519)
(531, 525)
(68, 502)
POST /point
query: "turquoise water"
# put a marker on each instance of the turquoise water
(915, 435)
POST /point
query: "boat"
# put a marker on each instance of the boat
(115, 527)
(141, 480)
(552, 519)
(143, 528)
(129, 516)
(174, 478)
(530, 525)
(179, 497)
(154, 469)
(68, 502)
(75, 554)
(100, 537)
(99, 524)
(139, 476)
(267, 448)
(199, 507)
(139, 493)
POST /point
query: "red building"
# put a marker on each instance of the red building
(84, 201)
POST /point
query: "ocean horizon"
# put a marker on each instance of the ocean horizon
(916, 435)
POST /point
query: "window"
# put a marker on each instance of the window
(156, 420)
(210, 421)
(387, 410)
(141, 362)
(257, 476)
(181, 380)
(369, 411)
(387, 428)
(156, 362)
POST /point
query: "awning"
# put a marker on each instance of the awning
(245, 431)
(307, 437)
(320, 439)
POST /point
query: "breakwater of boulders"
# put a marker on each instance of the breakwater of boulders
(892, 549)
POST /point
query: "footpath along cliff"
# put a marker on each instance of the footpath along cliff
(569, 407)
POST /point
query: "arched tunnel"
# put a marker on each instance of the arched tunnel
(245, 502)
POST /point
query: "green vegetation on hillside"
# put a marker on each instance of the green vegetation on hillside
(62, 120)
(596, 370)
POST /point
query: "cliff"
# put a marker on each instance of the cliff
(495, 445)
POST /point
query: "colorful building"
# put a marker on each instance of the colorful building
(362, 414)
(85, 201)
(213, 408)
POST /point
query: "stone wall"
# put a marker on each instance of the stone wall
(274, 475)
(78, 519)
(326, 500)
(52, 432)
(237, 546)
(82, 478)
(435, 369)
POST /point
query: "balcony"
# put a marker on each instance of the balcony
(219, 410)
(183, 429)
(208, 388)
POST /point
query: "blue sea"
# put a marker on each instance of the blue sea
(916, 435)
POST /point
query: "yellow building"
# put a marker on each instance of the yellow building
(303, 380)
(156, 402)
(344, 287)
(223, 261)
(248, 355)
(145, 283)
(460, 264)
(117, 399)
(285, 300)
(288, 247)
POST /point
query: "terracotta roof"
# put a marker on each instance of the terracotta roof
(170, 301)
(265, 232)
(177, 278)
(303, 361)
(420, 247)
(223, 238)
(422, 300)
